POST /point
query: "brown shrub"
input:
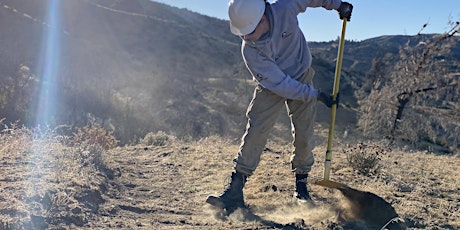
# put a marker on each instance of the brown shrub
(365, 158)
(94, 134)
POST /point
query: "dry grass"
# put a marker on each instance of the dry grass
(46, 184)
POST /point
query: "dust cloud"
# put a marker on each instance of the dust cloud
(299, 212)
(353, 208)
(292, 213)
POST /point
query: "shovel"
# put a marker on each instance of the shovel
(365, 205)
(327, 164)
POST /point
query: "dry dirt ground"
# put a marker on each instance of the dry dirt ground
(45, 184)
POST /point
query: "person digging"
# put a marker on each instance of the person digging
(276, 54)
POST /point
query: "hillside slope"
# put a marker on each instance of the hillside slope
(141, 61)
(141, 66)
(158, 67)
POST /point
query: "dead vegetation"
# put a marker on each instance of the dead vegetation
(46, 183)
(414, 98)
(365, 157)
(163, 183)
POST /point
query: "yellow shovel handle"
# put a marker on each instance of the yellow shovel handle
(338, 69)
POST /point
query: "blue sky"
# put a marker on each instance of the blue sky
(370, 18)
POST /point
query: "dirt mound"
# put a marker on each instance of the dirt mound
(369, 210)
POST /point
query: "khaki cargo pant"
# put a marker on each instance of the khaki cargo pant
(262, 114)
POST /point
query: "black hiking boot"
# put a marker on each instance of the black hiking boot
(301, 191)
(232, 198)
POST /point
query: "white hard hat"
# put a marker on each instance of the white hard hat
(245, 15)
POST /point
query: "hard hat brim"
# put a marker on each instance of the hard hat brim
(243, 31)
(251, 26)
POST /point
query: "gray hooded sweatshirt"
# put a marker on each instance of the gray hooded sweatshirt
(281, 56)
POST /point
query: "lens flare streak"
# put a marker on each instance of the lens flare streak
(49, 65)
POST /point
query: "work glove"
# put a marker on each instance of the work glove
(328, 100)
(345, 10)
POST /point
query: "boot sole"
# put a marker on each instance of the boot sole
(218, 203)
(215, 201)
(302, 201)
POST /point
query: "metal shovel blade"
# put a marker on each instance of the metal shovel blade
(330, 184)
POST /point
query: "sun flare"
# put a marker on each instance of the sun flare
(49, 66)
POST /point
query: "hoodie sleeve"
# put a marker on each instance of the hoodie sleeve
(271, 77)
(301, 5)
